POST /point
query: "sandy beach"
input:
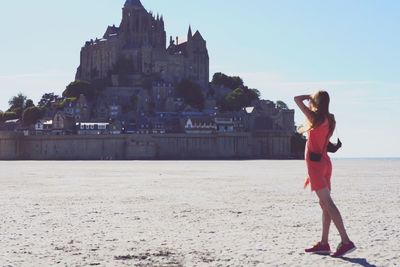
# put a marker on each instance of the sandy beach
(244, 213)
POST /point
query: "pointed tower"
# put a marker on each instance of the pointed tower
(136, 24)
(189, 35)
(199, 59)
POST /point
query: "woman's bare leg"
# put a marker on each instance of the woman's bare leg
(324, 196)
(326, 224)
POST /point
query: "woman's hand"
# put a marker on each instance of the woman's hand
(299, 101)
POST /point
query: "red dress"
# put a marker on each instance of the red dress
(319, 173)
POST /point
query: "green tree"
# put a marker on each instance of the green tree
(31, 115)
(76, 88)
(17, 104)
(29, 103)
(235, 100)
(191, 93)
(61, 104)
(252, 94)
(241, 95)
(231, 82)
(47, 98)
(239, 98)
(5, 116)
(281, 105)
(17, 101)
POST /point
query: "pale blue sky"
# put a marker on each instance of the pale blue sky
(349, 47)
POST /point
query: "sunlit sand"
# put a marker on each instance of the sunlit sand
(250, 213)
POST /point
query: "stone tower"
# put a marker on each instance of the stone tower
(140, 28)
(197, 53)
(138, 46)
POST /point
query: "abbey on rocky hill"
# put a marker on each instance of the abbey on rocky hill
(137, 49)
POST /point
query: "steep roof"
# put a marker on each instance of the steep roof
(133, 3)
(197, 35)
(111, 31)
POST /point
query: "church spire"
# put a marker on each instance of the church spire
(189, 36)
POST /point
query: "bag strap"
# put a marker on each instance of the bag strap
(337, 132)
(325, 147)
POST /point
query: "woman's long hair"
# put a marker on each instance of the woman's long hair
(319, 105)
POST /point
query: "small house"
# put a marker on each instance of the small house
(10, 125)
(224, 124)
(115, 127)
(43, 126)
(62, 124)
(92, 128)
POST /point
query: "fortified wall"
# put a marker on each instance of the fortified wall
(267, 145)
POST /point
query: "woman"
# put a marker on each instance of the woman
(321, 125)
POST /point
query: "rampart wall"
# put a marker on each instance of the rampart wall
(266, 145)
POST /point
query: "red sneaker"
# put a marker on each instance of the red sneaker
(319, 248)
(344, 249)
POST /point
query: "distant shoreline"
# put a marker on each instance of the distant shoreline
(201, 160)
(366, 158)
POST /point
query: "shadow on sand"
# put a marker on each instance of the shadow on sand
(360, 261)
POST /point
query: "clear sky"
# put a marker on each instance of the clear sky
(283, 48)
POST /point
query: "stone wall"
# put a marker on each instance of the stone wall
(9, 146)
(267, 145)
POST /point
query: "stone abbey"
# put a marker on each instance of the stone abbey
(136, 98)
(139, 46)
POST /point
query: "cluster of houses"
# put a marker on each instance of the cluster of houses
(132, 103)
(77, 118)
(160, 123)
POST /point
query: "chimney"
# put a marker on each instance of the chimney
(177, 40)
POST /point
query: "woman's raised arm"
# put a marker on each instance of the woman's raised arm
(300, 103)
